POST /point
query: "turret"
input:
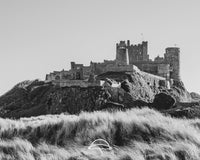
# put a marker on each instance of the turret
(121, 53)
(145, 56)
(128, 43)
(172, 56)
(72, 65)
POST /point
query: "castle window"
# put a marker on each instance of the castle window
(57, 77)
(78, 76)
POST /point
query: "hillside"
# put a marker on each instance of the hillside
(34, 98)
(142, 134)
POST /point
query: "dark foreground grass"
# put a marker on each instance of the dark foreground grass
(138, 134)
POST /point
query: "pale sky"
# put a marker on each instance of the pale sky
(40, 36)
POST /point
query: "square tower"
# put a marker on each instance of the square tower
(172, 56)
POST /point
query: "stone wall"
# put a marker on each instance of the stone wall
(153, 80)
(119, 68)
(58, 75)
(87, 70)
(70, 83)
(164, 70)
(99, 68)
(156, 68)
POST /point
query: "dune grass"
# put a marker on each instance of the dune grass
(141, 134)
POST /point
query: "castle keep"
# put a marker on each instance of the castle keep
(129, 58)
(167, 66)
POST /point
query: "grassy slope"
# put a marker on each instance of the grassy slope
(141, 134)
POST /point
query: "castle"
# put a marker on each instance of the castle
(128, 59)
(167, 66)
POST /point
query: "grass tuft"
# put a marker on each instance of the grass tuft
(141, 134)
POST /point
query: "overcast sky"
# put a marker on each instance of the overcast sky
(40, 36)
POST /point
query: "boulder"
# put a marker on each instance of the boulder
(125, 85)
(195, 96)
(163, 101)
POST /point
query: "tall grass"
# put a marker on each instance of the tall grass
(141, 134)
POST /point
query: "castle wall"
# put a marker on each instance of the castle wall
(149, 68)
(159, 59)
(153, 80)
(87, 70)
(119, 68)
(75, 66)
(99, 68)
(57, 75)
(77, 71)
(70, 83)
(164, 70)
(156, 68)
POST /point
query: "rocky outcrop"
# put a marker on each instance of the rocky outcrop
(184, 110)
(40, 98)
(121, 90)
(76, 99)
(134, 84)
(179, 91)
(195, 96)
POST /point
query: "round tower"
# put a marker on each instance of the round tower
(172, 56)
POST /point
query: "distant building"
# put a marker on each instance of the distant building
(127, 57)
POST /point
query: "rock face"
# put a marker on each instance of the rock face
(120, 91)
(195, 96)
(179, 92)
(75, 99)
(184, 110)
(25, 99)
(133, 84)
(39, 98)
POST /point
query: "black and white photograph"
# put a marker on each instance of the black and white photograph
(99, 80)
